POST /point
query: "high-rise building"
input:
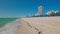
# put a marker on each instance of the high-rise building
(40, 10)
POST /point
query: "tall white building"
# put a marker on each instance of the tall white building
(40, 10)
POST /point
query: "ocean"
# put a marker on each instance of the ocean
(4, 21)
(10, 25)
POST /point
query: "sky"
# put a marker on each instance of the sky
(21, 8)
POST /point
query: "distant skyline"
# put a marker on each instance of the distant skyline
(21, 8)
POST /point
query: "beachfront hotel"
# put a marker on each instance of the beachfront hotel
(40, 10)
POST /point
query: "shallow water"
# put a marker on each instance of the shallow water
(4, 21)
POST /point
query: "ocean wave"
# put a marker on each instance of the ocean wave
(10, 28)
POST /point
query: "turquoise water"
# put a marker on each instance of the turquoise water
(4, 21)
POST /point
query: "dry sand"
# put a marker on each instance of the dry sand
(45, 25)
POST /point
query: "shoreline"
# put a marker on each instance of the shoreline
(47, 25)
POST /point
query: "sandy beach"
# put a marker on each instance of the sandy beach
(46, 25)
(36, 25)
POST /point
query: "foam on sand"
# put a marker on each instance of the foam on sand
(10, 28)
